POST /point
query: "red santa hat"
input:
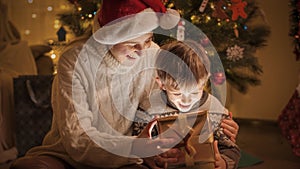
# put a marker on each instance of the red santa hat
(121, 20)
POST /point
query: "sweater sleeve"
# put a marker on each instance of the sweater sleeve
(75, 117)
(231, 155)
(229, 150)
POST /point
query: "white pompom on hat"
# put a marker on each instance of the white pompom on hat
(121, 20)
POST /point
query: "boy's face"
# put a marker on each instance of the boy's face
(129, 51)
(183, 98)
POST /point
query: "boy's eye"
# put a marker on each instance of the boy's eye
(176, 94)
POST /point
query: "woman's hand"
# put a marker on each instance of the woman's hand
(151, 163)
(220, 162)
(162, 147)
(230, 127)
(144, 146)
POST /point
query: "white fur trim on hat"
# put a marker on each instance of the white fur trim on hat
(133, 26)
(169, 19)
(128, 27)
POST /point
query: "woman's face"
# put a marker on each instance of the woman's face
(130, 51)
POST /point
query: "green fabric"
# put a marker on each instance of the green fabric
(248, 160)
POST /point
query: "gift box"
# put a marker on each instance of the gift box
(196, 137)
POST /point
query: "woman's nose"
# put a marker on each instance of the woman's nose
(138, 49)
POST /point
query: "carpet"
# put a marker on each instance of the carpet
(248, 160)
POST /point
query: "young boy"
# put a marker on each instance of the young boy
(182, 74)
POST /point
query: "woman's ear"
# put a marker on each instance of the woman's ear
(160, 84)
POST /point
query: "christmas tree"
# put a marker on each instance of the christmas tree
(81, 17)
(227, 24)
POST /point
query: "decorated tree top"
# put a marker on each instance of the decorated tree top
(80, 18)
(227, 24)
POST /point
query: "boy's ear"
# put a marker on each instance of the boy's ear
(159, 82)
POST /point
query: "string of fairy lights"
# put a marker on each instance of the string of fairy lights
(220, 10)
(226, 23)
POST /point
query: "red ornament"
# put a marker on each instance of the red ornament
(204, 42)
(219, 12)
(237, 8)
(219, 78)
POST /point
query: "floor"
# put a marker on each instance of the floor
(263, 140)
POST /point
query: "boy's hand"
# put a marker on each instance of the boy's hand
(220, 162)
(172, 156)
(150, 161)
(230, 127)
(162, 161)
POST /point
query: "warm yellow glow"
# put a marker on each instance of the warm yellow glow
(53, 56)
(180, 11)
(212, 6)
(219, 24)
(50, 41)
(63, 7)
(33, 15)
(27, 32)
(56, 26)
(79, 8)
(193, 17)
(208, 18)
(171, 5)
(90, 15)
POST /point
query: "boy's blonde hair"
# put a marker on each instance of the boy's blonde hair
(182, 64)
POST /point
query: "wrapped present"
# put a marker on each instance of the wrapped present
(196, 137)
(33, 111)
